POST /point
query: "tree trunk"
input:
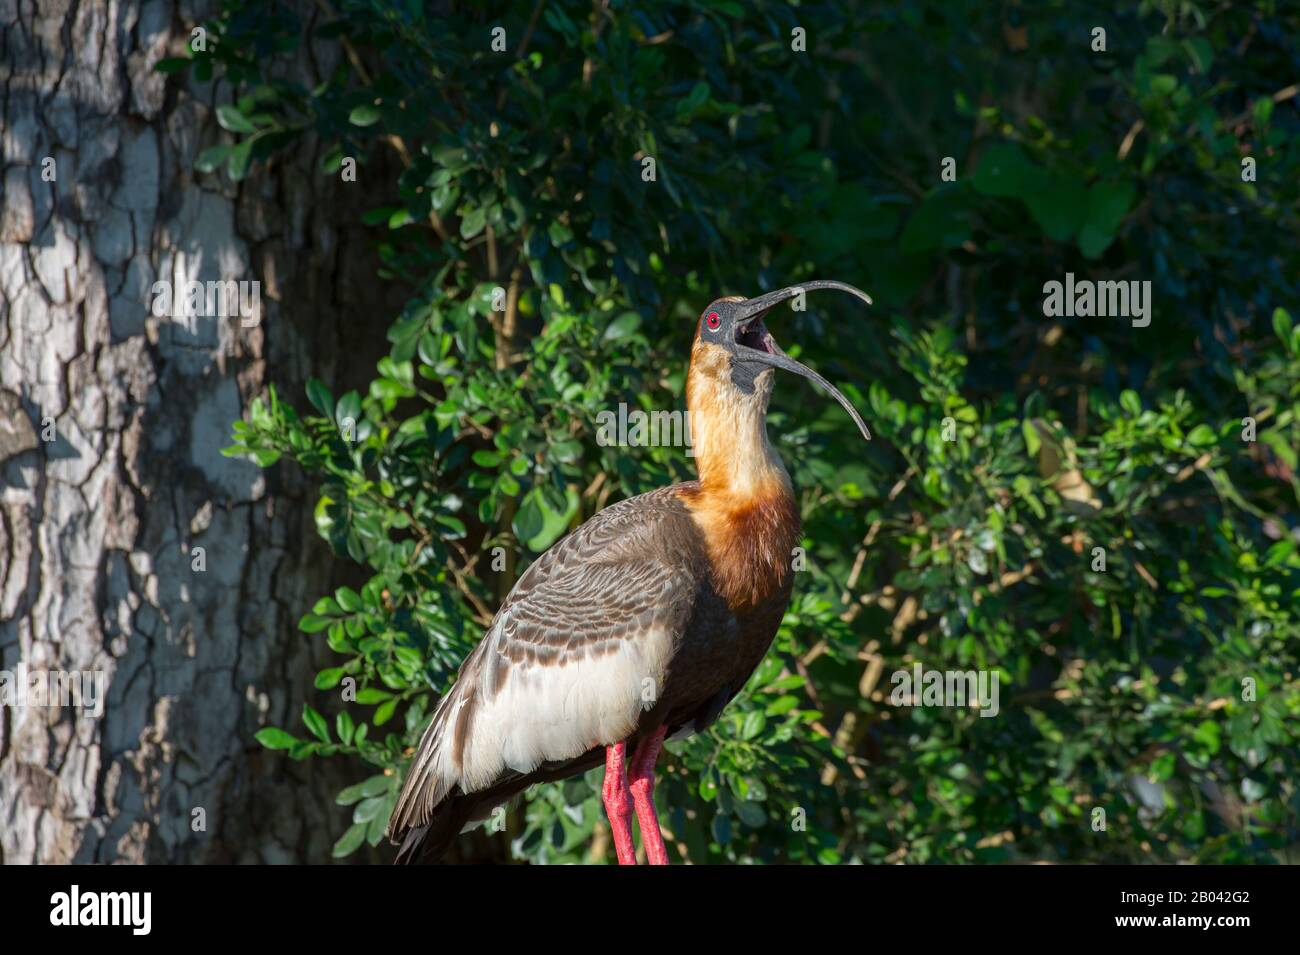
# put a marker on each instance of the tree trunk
(99, 523)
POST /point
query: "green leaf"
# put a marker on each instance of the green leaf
(212, 158)
(529, 519)
(708, 789)
(349, 600)
(1058, 205)
(316, 723)
(1003, 170)
(623, 326)
(312, 623)
(566, 451)
(230, 118)
(1164, 84)
(1162, 767)
(1108, 204)
(539, 522)
(559, 233)
(237, 164)
(1032, 441)
(1207, 734)
(326, 607)
(344, 726)
(472, 223)
(274, 738)
(753, 724)
(456, 529)
(752, 814)
(1200, 52)
(941, 221)
(332, 161)
(347, 413)
(350, 841)
(367, 809)
(692, 101)
(1282, 326)
(1263, 110)
(364, 115)
(320, 397)
(378, 214)
(303, 749)
(329, 678)
(364, 790)
(375, 828)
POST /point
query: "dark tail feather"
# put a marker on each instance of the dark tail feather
(427, 844)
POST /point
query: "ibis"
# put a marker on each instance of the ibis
(641, 625)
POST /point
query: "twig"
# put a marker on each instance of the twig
(1129, 137)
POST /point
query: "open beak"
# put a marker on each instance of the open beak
(758, 345)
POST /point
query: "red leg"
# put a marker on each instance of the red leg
(643, 796)
(618, 804)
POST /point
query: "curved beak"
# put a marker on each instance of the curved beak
(756, 308)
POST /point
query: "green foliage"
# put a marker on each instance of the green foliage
(1010, 446)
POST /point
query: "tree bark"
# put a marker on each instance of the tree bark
(98, 525)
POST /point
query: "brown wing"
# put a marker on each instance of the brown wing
(578, 652)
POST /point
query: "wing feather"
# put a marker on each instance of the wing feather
(575, 654)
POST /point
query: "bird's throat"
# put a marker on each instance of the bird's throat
(743, 503)
(728, 430)
(733, 456)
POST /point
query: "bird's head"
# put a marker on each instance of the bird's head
(734, 354)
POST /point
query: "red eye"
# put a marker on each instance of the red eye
(713, 320)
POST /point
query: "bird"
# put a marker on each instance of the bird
(640, 625)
